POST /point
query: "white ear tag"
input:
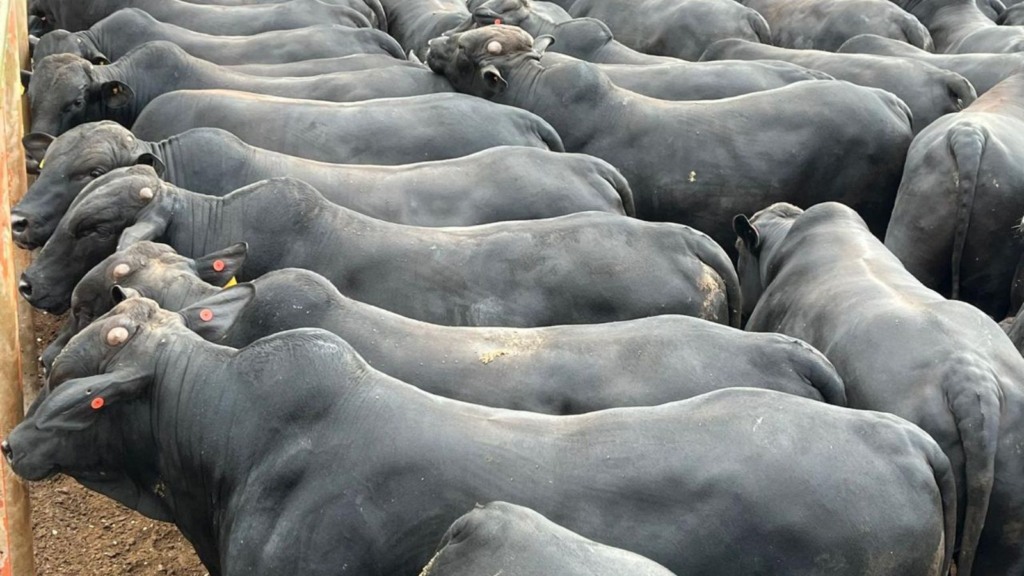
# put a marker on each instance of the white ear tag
(117, 336)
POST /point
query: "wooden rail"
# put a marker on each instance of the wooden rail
(15, 527)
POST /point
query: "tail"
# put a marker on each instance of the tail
(824, 378)
(761, 28)
(967, 144)
(1015, 331)
(961, 91)
(621, 185)
(711, 254)
(549, 135)
(916, 34)
(976, 411)
(945, 480)
(392, 47)
(378, 11)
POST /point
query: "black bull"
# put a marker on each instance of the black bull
(589, 267)
(554, 370)
(318, 461)
(821, 276)
(66, 90)
(117, 34)
(699, 163)
(493, 185)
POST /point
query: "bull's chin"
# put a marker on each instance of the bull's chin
(34, 474)
(35, 237)
(50, 303)
(26, 242)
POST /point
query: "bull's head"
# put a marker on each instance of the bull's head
(89, 232)
(148, 270)
(96, 423)
(66, 165)
(477, 61)
(64, 42)
(65, 90)
(752, 236)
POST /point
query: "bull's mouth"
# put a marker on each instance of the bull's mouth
(50, 302)
(29, 472)
(29, 237)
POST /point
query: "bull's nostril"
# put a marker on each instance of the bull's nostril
(8, 453)
(25, 288)
(19, 224)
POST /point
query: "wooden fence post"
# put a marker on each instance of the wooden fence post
(15, 527)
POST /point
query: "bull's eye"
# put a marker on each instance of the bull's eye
(75, 104)
(87, 230)
(96, 172)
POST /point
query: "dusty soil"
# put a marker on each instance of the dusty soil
(81, 533)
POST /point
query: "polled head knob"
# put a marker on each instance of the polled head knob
(121, 270)
(117, 335)
(494, 47)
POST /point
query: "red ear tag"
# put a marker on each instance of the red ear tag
(218, 265)
(206, 314)
(497, 21)
(96, 403)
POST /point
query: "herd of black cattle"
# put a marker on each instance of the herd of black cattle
(398, 287)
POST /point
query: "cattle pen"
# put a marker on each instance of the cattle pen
(15, 532)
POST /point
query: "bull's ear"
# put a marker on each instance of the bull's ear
(150, 224)
(212, 317)
(219, 267)
(116, 94)
(26, 77)
(541, 43)
(75, 404)
(150, 159)
(747, 233)
(120, 293)
(36, 145)
(492, 77)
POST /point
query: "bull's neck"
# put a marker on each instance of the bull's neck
(94, 39)
(167, 151)
(194, 448)
(772, 236)
(219, 413)
(179, 153)
(198, 226)
(118, 33)
(526, 85)
(537, 25)
(180, 292)
(542, 90)
(952, 22)
(142, 70)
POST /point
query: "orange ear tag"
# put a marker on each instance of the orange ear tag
(96, 403)
(218, 265)
(206, 314)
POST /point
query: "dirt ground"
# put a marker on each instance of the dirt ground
(80, 533)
